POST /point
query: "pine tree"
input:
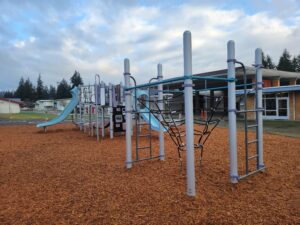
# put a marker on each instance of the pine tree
(63, 90)
(29, 94)
(264, 61)
(20, 90)
(46, 92)
(294, 64)
(8, 94)
(76, 79)
(52, 92)
(298, 64)
(40, 93)
(270, 64)
(267, 62)
(285, 62)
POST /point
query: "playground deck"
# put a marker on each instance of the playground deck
(66, 177)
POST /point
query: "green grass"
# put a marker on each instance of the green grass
(287, 128)
(26, 116)
(280, 127)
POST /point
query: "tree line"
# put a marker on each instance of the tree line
(26, 91)
(286, 62)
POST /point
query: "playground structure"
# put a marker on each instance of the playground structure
(100, 106)
(189, 133)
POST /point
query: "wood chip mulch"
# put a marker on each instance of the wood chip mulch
(66, 177)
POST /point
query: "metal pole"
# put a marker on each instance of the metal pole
(97, 104)
(128, 114)
(102, 102)
(161, 106)
(121, 94)
(258, 63)
(111, 127)
(189, 117)
(80, 106)
(232, 112)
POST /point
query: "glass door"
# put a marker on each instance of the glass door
(282, 108)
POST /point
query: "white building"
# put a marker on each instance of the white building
(42, 105)
(9, 106)
(46, 105)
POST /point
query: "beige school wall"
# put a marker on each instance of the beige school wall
(9, 107)
(294, 110)
(297, 113)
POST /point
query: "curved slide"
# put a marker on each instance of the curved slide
(68, 109)
(146, 115)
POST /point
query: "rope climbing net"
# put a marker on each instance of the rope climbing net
(173, 121)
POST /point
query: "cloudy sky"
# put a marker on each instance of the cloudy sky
(57, 37)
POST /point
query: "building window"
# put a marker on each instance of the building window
(276, 106)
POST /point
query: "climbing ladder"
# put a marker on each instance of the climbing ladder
(248, 141)
(139, 124)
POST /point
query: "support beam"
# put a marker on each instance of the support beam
(232, 113)
(161, 106)
(258, 63)
(128, 113)
(189, 116)
(111, 125)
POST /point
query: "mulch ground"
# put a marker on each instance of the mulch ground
(66, 177)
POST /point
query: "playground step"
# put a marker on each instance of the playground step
(141, 124)
(145, 135)
(251, 173)
(253, 157)
(253, 141)
(145, 147)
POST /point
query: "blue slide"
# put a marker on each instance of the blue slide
(68, 109)
(144, 112)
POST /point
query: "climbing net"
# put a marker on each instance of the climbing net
(173, 122)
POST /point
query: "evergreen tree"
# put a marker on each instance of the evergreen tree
(46, 92)
(20, 90)
(28, 94)
(76, 79)
(40, 93)
(267, 62)
(264, 61)
(270, 64)
(296, 63)
(285, 62)
(63, 90)
(8, 94)
(52, 92)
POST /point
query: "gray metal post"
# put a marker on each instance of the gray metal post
(111, 125)
(259, 106)
(102, 101)
(121, 94)
(80, 107)
(161, 106)
(232, 112)
(189, 117)
(128, 114)
(97, 104)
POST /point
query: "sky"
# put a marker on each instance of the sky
(56, 37)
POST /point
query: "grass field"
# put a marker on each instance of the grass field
(281, 127)
(26, 116)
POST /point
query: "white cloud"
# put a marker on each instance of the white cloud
(96, 37)
(19, 44)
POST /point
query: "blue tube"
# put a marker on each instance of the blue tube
(193, 77)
